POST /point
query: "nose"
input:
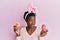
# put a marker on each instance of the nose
(33, 22)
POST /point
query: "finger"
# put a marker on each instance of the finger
(46, 30)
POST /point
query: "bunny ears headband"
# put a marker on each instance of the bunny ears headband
(31, 8)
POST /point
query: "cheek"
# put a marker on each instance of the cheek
(34, 21)
(30, 22)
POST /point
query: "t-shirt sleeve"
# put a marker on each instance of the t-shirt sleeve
(18, 38)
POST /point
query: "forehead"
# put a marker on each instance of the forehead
(31, 17)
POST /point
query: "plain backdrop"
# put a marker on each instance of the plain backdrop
(11, 11)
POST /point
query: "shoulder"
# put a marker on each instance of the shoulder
(39, 29)
(22, 28)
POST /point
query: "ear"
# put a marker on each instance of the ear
(31, 7)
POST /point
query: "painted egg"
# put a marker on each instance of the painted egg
(18, 24)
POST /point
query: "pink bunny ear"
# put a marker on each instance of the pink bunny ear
(31, 7)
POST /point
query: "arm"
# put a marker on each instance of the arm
(17, 31)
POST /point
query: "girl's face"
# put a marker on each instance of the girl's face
(31, 21)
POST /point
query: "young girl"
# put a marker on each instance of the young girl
(30, 32)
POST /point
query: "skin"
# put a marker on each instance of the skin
(31, 28)
(30, 25)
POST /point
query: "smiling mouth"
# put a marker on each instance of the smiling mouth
(33, 25)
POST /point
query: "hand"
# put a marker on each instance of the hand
(17, 28)
(44, 31)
